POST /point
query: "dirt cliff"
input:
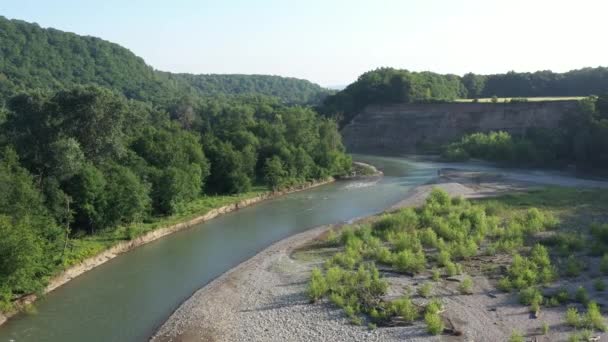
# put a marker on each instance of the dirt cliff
(409, 128)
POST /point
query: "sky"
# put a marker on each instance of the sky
(332, 42)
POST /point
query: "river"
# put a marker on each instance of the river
(128, 297)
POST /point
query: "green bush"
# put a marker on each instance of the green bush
(435, 274)
(434, 306)
(574, 267)
(593, 318)
(581, 295)
(466, 285)
(516, 336)
(425, 290)
(573, 318)
(434, 324)
(530, 295)
(599, 285)
(317, 287)
(408, 261)
(452, 269)
(405, 309)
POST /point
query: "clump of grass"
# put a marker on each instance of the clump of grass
(317, 286)
(372, 326)
(526, 272)
(434, 306)
(435, 274)
(452, 269)
(434, 324)
(409, 261)
(405, 309)
(574, 267)
(581, 295)
(599, 285)
(593, 318)
(466, 285)
(516, 336)
(565, 243)
(545, 328)
(573, 318)
(425, 290)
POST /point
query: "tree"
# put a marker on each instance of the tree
(274, 173)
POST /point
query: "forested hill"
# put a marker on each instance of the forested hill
(36, 58)
(388, 85)
(288, 89)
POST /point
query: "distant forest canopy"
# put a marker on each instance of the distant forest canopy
(35, 58)
(388, 85)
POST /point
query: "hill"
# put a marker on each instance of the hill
(37, 58)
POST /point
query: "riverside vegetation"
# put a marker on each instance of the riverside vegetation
(96, 147)
(537, 231)
(582, 139)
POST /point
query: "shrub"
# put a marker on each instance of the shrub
(516, 336)
(444, 258)
(593, 318)
(434, 306)
(545, 328)
(581, 295)
(317, 287)
(405, 309)
(453, 269)
(435, 274)
(599, 285)
(530, 295)
(408, 261)
(434, 324)
(425, 290)
(574, 267)
(466, 285)
(573, 318)
(372, 326)
(565, 243)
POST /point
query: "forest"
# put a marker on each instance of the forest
(389, 85)
(33, 57)
(93, 141)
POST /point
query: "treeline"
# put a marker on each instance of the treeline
(581, 139)
(388, 85)
(33, 57)
(85, 160)
(287, 89)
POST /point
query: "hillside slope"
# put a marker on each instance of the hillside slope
(32, 57)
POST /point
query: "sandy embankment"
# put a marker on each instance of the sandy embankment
(125, 246)
(263, 299)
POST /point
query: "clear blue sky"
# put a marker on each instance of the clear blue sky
(331, 42)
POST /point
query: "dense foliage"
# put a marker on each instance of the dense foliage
(84, 160)
(288, 89)
(33, 57)
(582, 138)
(388, 85)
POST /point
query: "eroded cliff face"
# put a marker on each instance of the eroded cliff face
(411, 128)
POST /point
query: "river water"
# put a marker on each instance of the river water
(129, 297)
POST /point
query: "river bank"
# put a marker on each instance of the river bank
(125, 246)
(263, 299)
